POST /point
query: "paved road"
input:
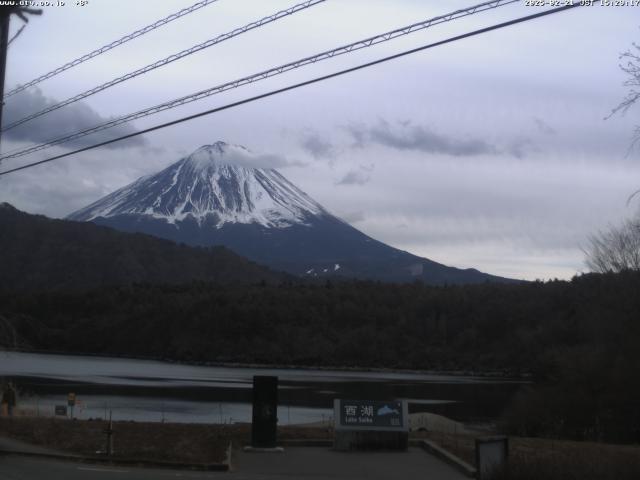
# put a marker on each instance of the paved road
(295, 463)
(322, 463)
(25, 468)
(10, 444)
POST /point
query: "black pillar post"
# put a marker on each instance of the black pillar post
(265, 412)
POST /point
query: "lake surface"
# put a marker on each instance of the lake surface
(145, 390)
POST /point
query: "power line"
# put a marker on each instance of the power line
(302, 84)
(110, 46)
(167, 60)
(17, 34)
(367, 42)
(266, 74)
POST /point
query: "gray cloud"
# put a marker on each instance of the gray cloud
(241, 156)
(544, 127)
(521, 147)
(155, 151)
(406, 136)
(359, 176)
(359, 134)
(317, 146)
(72, 183)
(353, 217)
(69, 119)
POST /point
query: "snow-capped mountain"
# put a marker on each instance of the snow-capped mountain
(217, 196)
(206, 186)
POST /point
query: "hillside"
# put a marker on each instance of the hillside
(215, 197)
(39, 253)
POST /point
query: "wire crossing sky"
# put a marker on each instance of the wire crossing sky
(171, 58)
(342, 50)
(111, 46)
(302, 84)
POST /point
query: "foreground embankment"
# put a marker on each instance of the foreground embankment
(551, 459)
(530, 458)
(150, 441)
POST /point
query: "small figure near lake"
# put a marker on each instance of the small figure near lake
(8, 399)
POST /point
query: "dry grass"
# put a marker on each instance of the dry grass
(540, 458)
(173, 442)
(189, 443)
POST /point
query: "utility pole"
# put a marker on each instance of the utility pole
(5, 17)
(5, 13)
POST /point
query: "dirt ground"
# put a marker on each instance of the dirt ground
(537, 458)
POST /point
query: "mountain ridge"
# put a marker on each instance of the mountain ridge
(217, 196)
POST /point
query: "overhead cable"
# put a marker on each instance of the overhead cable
(110, 46)
(167, 60)
(367, 42)
(299, 85)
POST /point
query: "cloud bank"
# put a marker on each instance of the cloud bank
(316, 145)
(70, 119)
(407, 136)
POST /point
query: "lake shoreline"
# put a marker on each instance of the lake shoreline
(142, 389)
(489, 374)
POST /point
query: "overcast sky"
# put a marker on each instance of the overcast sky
(491, 152)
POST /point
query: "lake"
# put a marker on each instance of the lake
(145, 390)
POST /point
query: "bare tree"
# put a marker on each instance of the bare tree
(630, 66)
(615, 250)
(618, 248)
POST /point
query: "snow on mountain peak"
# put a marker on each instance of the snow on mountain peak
(218, 153)
(219, 182)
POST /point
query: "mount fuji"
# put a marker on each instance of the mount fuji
(216, 197)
